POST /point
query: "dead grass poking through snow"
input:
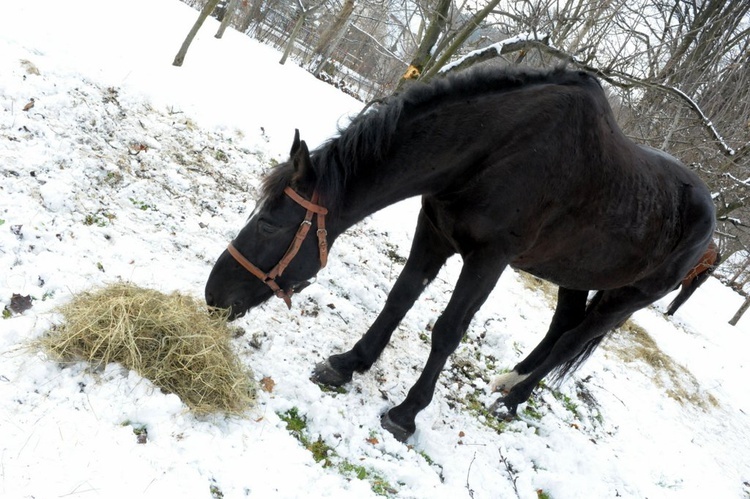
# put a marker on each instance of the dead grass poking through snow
(632, 343)
(168, 339)
(534, 283)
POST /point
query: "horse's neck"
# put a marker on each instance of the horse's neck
(373, 188)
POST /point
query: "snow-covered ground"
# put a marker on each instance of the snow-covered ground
(126, 168)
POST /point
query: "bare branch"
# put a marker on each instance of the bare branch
(617, 78)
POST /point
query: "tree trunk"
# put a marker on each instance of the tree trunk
(228, 15)
(253, 16)
(332, 36)
(424, 51)
(292, 37)
(734, 320)
(460, 38)
(326, 56)
(742, 269)
(207, 9)
(302, 14)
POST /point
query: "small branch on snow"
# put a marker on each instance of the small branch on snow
(512, 473)
(111, 145)
(342, 318)
(744, 183)
(726, 235)
(468, 487)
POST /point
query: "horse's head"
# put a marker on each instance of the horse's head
(273, 253)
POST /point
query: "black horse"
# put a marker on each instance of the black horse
(527, 169)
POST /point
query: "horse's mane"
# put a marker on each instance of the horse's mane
(369, 134)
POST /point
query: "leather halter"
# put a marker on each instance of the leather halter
(270, 278)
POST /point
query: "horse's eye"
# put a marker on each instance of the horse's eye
(267, 227)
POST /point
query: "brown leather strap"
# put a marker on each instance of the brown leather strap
(269, 279)
(308, 205)
(291, 252)
(246, 263)
(322, 241)
(286, 296)
(322, 232)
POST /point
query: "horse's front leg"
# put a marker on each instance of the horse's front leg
(428, 253)
(478, 277)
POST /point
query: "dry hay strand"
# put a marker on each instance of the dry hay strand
(168, 339)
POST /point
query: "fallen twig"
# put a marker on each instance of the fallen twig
(512, 473)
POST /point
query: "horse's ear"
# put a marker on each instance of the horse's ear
(295, 144)
(303, 168)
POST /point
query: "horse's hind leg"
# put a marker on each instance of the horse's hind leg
(569, 312)
(428, 253)
(478, 276)
(610, 311)
(687, 291)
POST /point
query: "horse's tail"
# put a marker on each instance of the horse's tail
(573, 364)
(689, 288)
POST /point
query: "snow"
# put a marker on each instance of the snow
(127, 168)
(495, 47)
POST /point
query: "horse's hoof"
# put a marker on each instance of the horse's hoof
(326, 374)
(504, 409)
(395, 429)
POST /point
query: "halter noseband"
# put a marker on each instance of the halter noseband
(270, 278)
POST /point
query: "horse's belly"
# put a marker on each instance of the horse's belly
(586, 271)
(576, 279)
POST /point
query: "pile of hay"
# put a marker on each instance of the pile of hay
(168, 339)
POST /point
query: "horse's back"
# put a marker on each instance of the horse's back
(567, 195)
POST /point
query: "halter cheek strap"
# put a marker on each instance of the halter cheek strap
(270, 278)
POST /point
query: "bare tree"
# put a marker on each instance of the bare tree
(457, 41)
(205, 12)
(252, 15)
(231, 8)
(302, 13)
(332, 36)
(423, 54)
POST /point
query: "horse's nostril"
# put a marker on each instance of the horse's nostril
(210, 300)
